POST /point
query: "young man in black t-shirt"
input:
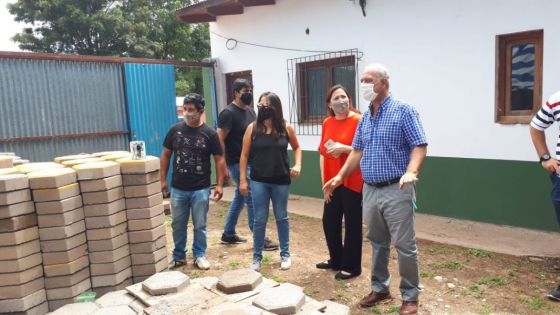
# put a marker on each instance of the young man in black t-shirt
(192, 143)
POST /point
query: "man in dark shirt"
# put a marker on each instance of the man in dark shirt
(232, 123)
(191, 142)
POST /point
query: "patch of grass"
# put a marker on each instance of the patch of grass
(492, 282)
(484, 310)
(437, 250)
(195, 274)
(266, 260)
(534, 302)
(234, 264)
(541, 276)
(392, 309)
(375, 309)
(450, 265)
(168, 220)
(427, 274)
(479, 252)
(474, 291)
(278, 279)
(513, 273)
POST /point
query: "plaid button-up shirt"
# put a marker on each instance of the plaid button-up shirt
(387, 139)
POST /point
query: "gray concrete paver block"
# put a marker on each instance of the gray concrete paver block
(18, 251)
(109, 244)
(240, 280)
(40, 309)
(146, 235)
(151, 258)
(106, 221)
(75, 308)
(60, 193)
(111, 280)
(23, 304)
(105, 196)
(106, 233)
(15, 278)
(21, 264)
(236, 309)
(145, 213)
(60, 219)
(149, 269)
(140, 179)
(104, 209)
(187, 301)
(69, 292)
(66, 268)
(59, 206)
(101, 291)
(67, 280)
(12, 182)
(19, 237)
(101, 184)
(18, 223)
(142, 190)
(115, 298)
(166, 282)
(146, 224)
(97, 170)
(151, 300)
(284, 299)
(51, 178)
(15, 196)
(62, 232)
(110, 268)
(63, 244)
(17, 209)
(21, 290)
(333, 308)
(112, 310)
(37, 166)
(109, 256)
(64, 257)
(211, 283)
(144, 202)
(148, 247)
(147, 165)
(311, 306)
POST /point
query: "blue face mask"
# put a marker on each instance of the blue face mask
(247, 98)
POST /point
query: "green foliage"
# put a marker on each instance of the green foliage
(479, 252)
(492, 282)
(475, 291)
(266, 260)
(450, 264)
(427, 274)
(534, 302)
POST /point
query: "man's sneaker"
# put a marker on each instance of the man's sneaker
(233, 239)
(176, 263)
(555, 294)
(286, 263)
(256, 265)
(269, 244)
(202, 263)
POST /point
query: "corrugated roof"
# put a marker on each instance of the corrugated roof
(208, 11)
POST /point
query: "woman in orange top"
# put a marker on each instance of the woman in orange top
(346, 200)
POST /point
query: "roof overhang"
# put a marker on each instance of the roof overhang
(208, 11)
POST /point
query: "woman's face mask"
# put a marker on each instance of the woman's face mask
(340, 107)
(265, 112)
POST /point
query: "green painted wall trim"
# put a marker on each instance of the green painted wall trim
(513, 193)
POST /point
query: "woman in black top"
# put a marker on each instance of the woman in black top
(265, 149)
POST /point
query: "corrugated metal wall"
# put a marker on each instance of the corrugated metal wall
(150, 91)
(74, 100)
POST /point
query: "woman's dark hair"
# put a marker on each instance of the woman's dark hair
(278, 122)
(331, 91)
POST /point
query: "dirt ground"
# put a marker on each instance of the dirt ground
(455, 280)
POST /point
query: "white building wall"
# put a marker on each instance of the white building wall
(440, 53)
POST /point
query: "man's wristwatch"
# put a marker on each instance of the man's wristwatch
(543, 158)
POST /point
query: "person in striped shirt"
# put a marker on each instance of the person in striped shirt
(544, 118)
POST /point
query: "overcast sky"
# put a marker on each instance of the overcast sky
(8, 27)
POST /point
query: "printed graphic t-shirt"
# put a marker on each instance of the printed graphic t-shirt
(192, 148)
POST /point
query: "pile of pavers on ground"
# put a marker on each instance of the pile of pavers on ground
(236, 292)
(9, 159)
(71, 226)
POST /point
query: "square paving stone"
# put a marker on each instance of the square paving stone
(59, 206)
(68, 292)
(77, 309)
(63, 244)
(116, 298)
(145, 213)
(37, 166)
(146, 235)
(146, 224)
(97, 170)
(108, 244)
(142, 190)
(62, 232)
(51, 178)
(144, 202)
(111, 280)
(60, 193)
(15, 278)
(166, 282)
(106, 221)
(57, 258)
(283, 299)
(66, 268)
(106, 196)
(61, 159)
(13, 182)
(18, 223)
(17, 209)
(22, 304)
(147, 165)
(104, 209)
(61, 219)
(101, 184)
(15, 196)
(19, 251)
(102, 291)
(151, 258)
(106, 233)
(111, 267)
(148, 247)
(71, 163)
(22, 264)
(240, 280)
(67, 280)
(141, 179)
(19, 237)
(109, 256)
(22, 289)
(149, 269)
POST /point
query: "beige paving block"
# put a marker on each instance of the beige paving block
(22, 289)
(6, 161)
(62, 219)
(51, 178)
(147, 165)
(19, 237)
(60, 193)
(106, 196)
(166, 282)
(105, 153)
(76, 309)
(56, 304)
(149, 258)
(101, 184)
(116, 156)
(102, 291)
(145, 213)
(146, 235)
(62, 232)
(146, 224)
(18, 223)
(142, 190)
(111, 310)
(17, 209)
(15, 278)
(13, 182)
(115, 298)
(15, 196)
(149, 269)
(21, 264)
(106, 233)
(69, 292)
(148, 247)
(10, 170)
(20, 162)
(104, 209)
(108, 244)
(139, 279)
(65, 257)
(40, 309)
(110, 268)
(109, 256)
(106, 221)
(71, 163)
(110, 280)
(144, 202)
(96, 170)
(58, 206)
(37, 166)
(140, 179)
(67, 280)
(19, 251)
(61, 159)
(66, 268)
(240, 280)
(63, 244)
(23, 304)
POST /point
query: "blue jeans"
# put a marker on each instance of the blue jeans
(263, 193)
(555, 194)
(182, 202)
(238, 202)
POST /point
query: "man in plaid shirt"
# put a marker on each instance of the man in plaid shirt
(390, 147)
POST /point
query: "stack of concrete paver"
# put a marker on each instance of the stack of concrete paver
(145, 213)
(22, 287)
(62, 228)
(104, 209)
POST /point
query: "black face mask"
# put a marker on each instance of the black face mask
(247, 98)
(265, 113)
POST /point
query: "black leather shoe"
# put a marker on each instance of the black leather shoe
(345, 276)
(326, 265)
